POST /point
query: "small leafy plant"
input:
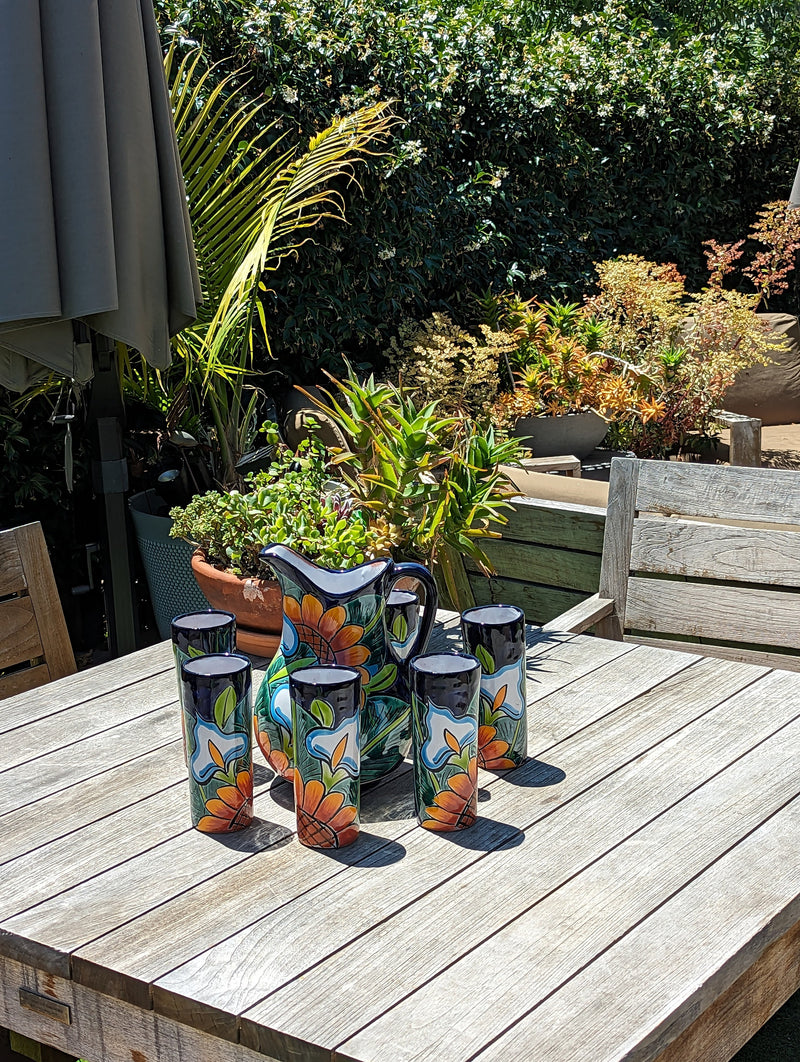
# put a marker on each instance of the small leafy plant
(438, 360)
(434, 481)
(561, 365)
(686, 348)
(294, 502)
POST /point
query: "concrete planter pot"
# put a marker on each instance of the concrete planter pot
(574, 433)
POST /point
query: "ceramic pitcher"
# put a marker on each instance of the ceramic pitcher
(339, 617)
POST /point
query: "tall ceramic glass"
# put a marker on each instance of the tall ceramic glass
(196, 634)
(217, 699)
(327, 777)
(446, 692)
(403, 641)
(496, 635)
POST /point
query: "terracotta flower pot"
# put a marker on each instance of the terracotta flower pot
(256, 603)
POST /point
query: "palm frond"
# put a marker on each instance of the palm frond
(251, 205)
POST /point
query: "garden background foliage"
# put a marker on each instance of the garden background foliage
(538, 140)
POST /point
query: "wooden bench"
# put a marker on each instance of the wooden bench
(708, 556)
(34, 641)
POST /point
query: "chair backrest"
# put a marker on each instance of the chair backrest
(708, 553)
(34, 642)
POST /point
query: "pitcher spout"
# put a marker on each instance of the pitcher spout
(291, 567)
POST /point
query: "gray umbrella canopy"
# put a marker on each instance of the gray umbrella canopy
(94, 225)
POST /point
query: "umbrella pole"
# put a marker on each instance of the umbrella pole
(110, 478)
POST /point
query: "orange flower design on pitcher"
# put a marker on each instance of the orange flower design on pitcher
(327, 633)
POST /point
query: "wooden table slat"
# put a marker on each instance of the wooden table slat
(97, 717)
(83, 854)
(630, 893)
(56, 697)
(70, 809)
(540, 950)
(28, 783)
(730, 909)
(640, 774)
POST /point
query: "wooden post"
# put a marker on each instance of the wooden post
(745, 444)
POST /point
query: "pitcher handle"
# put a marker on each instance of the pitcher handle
(418, 571)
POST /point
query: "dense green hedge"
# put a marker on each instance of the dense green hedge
(537, 142)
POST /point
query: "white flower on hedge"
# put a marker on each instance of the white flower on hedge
(386, 253)
(289, 93)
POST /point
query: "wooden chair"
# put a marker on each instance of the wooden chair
(728, 577)
(34, 642)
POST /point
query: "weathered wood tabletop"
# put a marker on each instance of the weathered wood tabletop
(632, 892)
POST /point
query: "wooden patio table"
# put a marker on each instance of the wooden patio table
(632, 892)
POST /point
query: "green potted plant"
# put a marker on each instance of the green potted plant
(535, 372)
(432, 482)
(564, 388)
(294, 502)
(685, 349)
(250, 205)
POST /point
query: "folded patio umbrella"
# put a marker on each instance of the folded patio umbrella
(94, 225)
(95, 239)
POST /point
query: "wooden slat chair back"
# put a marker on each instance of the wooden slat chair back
(708, 555)
(34, 642)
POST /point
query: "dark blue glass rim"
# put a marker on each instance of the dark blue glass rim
(203, 612)
(345, 674)
(466, 617)
(468, 658)
(186, 666)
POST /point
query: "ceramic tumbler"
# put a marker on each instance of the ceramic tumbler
(445, 697)
(196, 634)
(402, 623)
(327, 773)
(217, 702)
(496, 635)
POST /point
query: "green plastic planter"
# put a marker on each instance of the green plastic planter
(167, 562)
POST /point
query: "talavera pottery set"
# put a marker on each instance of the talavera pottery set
(361, 634)
(348, 694)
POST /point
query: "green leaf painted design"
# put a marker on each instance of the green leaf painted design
(322, 712)
(485, 710)
(383, 680)
(192, 652)
(485, 657)
(400, 628)
(393, 718)
(224, 707)
(295, 665)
